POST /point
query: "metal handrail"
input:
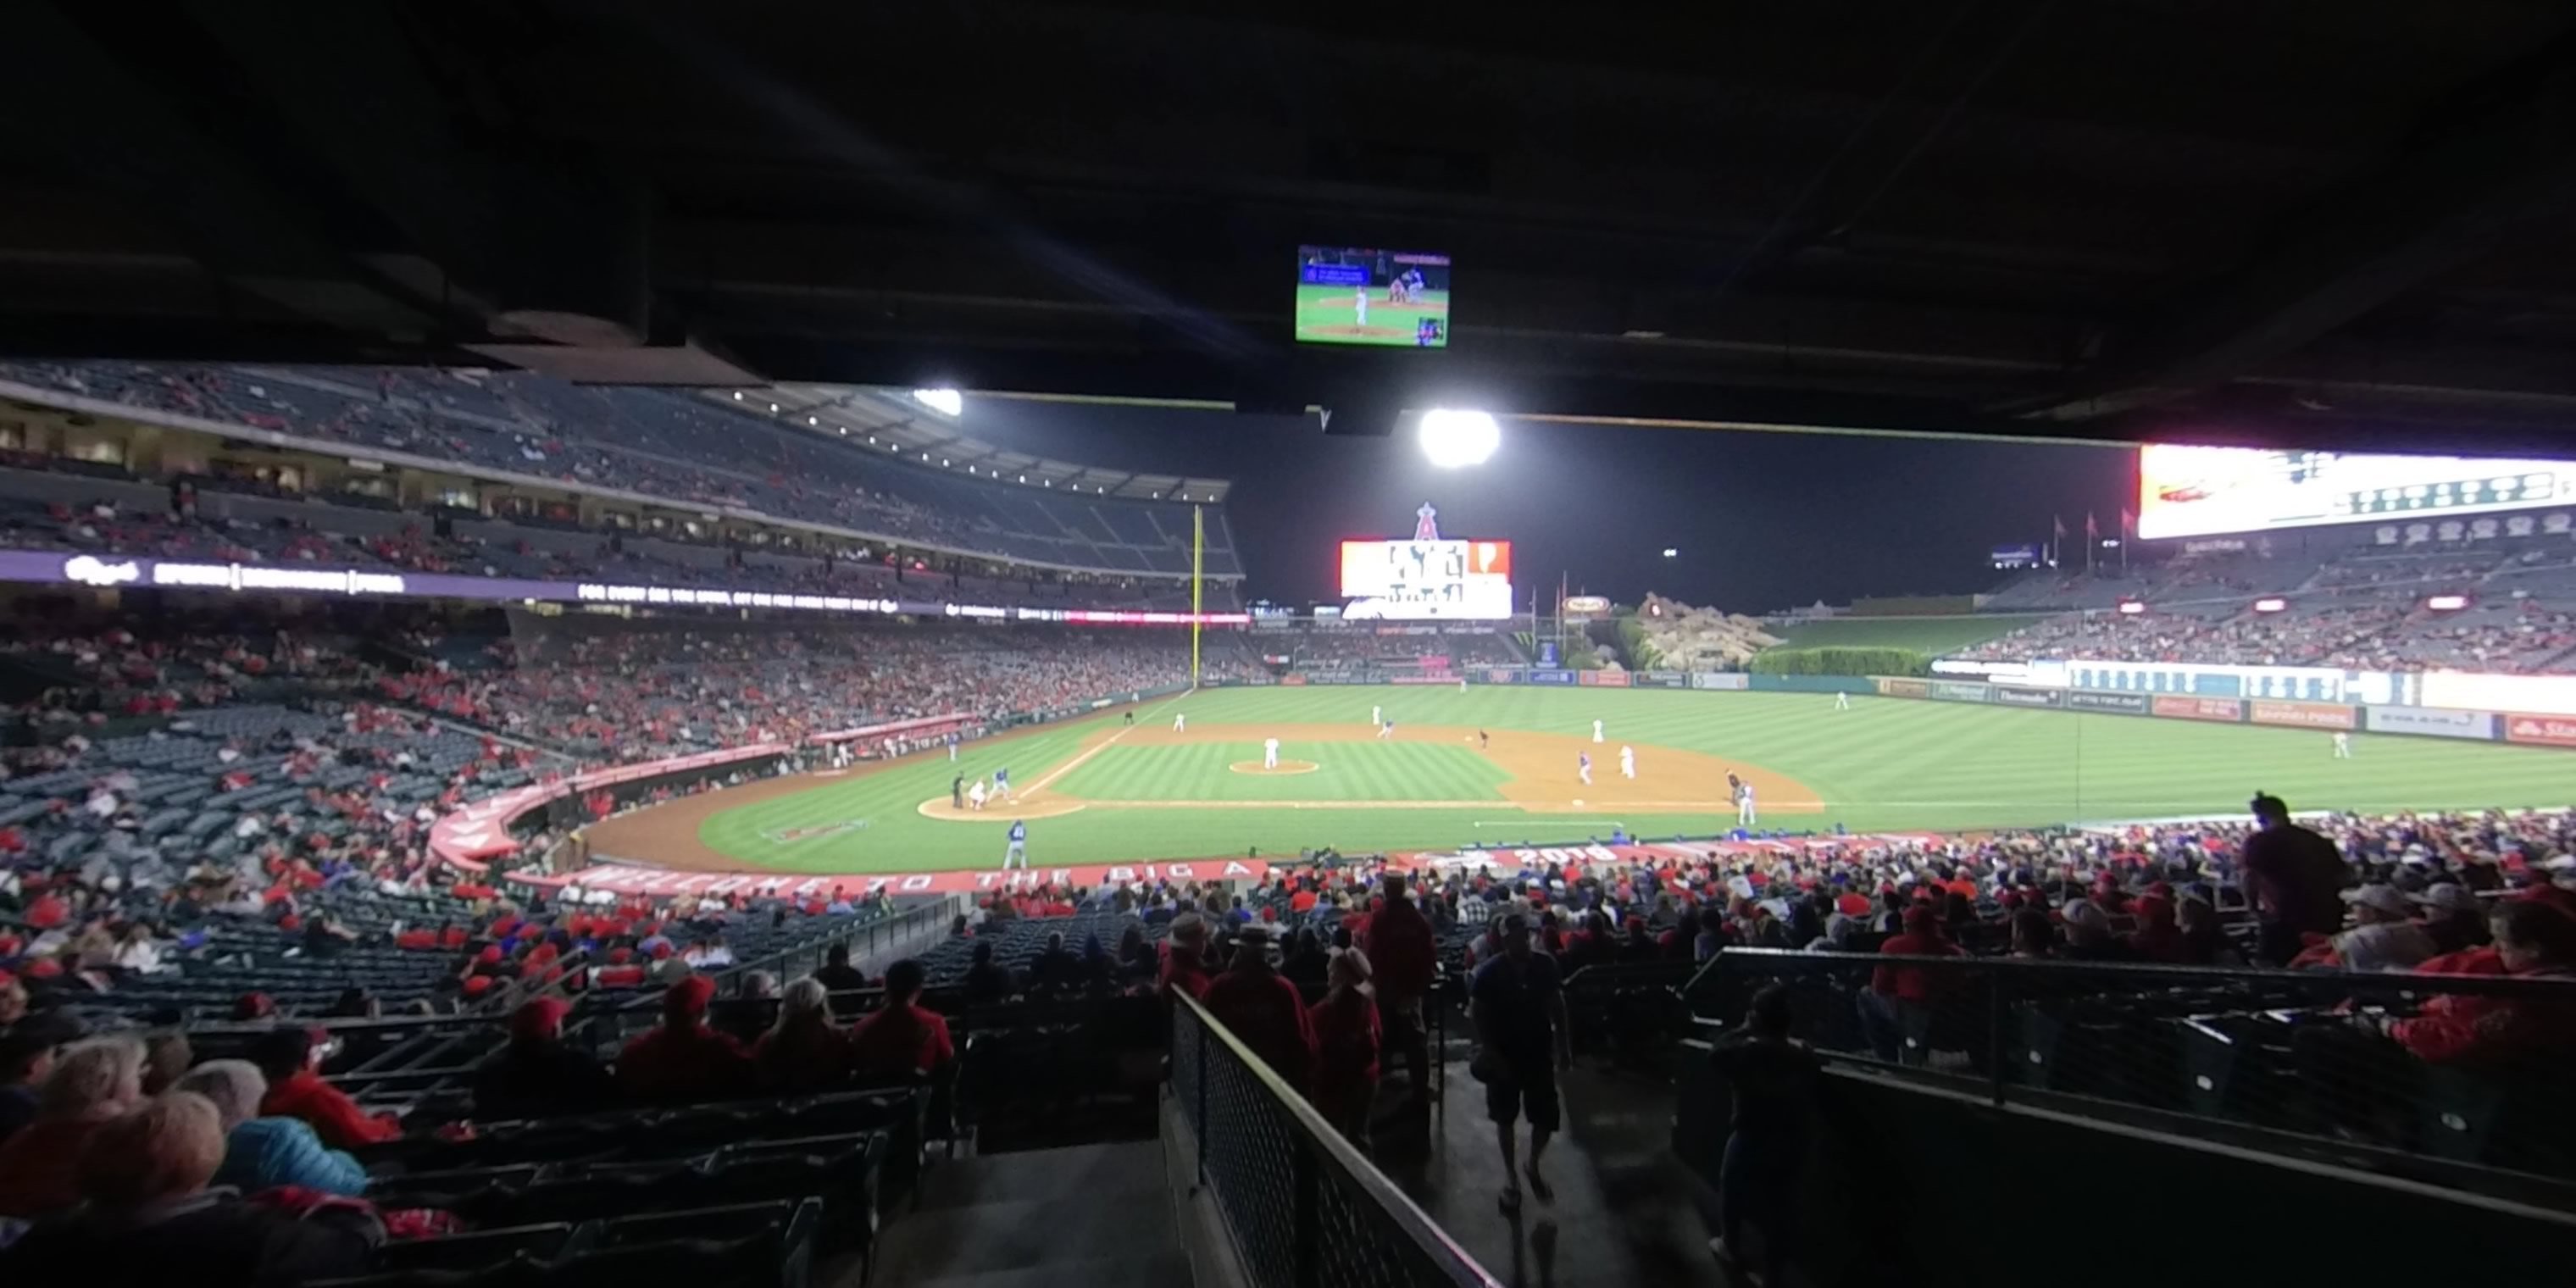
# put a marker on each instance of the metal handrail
(1320, 1137)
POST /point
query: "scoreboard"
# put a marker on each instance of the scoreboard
(2186, 491)
(1399, 581)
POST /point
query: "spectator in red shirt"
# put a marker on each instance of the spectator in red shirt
(903, 1040)
(1404, 954)
(2533, 941)
(681, 1059)
(1899, 999)
(1259, 1006)
(286, 1057)
(1348, 1037)
(804, 1052)
(1184, 968)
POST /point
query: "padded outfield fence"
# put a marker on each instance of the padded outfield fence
(1304, 1209)
(2430, 1075)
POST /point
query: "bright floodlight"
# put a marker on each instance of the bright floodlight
(947, 402)
(1455, 438)
(1670, 553)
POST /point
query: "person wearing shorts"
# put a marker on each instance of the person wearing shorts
(1517, 1000)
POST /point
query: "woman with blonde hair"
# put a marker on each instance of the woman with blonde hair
(1348, 1038)
(148, 1216)
(804, 1051)
(92, 1083)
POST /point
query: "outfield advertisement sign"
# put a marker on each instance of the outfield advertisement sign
(1502, 675)
(2539, 728)
(1551, 677)
(2304, 715)
(2478, 725)
(1891, 687)
(2131, 704)
(1957, 691)
(2543, 695)
(2227, 709)
(1658, 680)
(2013, 697)
(2211, 680)
(1605, 679)
(1728, 680)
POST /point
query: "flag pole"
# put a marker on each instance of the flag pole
(1198, 571)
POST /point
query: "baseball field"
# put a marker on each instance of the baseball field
(1326, 313)
(1103, 790)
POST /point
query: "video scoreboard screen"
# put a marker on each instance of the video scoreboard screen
(1355, 295)
(2205, 491)
(1422, 580)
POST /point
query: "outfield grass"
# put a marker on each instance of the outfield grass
(1886, 764)
(1922, 634)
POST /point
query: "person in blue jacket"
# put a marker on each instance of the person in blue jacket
(264, 1153)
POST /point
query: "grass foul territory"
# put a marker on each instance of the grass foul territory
(1099, 790)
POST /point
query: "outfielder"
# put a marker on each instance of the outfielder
(2343, 746)
(1462, 686)
(1180, 721)
(1627, 761)
(1842, 702)
(1583, 767)
(1017, 855)
(1269, 753)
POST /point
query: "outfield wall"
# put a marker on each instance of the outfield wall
(2284, 713)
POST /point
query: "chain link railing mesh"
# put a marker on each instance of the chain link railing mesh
(2461, 1068)
(1301, 1213)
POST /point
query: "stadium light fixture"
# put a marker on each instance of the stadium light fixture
(1024, 478)
(2132, 607)
(947, 402)
(737, 395)
(1671, 553)
(773, 408)
(811, 421)
(1453, 438)
(2447, 603)
(2272, 605)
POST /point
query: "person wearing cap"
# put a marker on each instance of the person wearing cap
(2088, 934)
(537, 1073)
(681, 1059)
(1517, 1002)
(1348, 1038)
(1256, 1004)
(286, 1057)
(2292, 877)
(1184, 959)
(2454, 917)
(1404, 957)
(903, 1039)
(2384, 934)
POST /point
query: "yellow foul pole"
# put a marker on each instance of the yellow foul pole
(1198, 565)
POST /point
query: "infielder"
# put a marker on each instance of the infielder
(1842, 702)
(1376, 716)
(1627, 761)
(2343, 746)
(1386, 731)
(1744, 816)
(975, 795)
(1180, 721)
(1017, 855)
(1002, 783)
(1596, 731)
(1269, 753)
(1583, 767)
(1462, 686)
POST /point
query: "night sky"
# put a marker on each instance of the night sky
(1763, 521)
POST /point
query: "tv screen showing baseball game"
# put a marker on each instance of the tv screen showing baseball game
(2205, 491)
(1398, 581)
(1353, 295)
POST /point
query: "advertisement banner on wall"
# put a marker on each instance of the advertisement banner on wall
(1958, 691)
(2013, 697)
(2540, 728)
(2133, 704)
(1551, 677)
(1718, 680)
(2541, 695)
(1891, 687)
(2304, 715)
(1658, 680)
(2227, 709)
(1503, 675)
(2429, 720)
(1605, 679)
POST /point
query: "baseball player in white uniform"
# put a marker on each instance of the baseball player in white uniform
(1180, 721)
(1596, 731)
(1376, 716)
(1744, 816)
(1361, 300)
(1583, 767)
(975, 795)
(1842, 702)
(1269, 753)
(1627, 761)
(1462, 685)
(2343, 746)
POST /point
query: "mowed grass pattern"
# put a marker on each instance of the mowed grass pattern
(1345, 771)
(1886, 764)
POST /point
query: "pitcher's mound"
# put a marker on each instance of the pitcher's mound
(998, 811)
(1253, 767)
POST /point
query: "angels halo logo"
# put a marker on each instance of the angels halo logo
(89, 570)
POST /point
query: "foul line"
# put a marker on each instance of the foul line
(1076, 763)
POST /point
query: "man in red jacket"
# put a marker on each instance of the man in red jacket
(681, 1059)
(1260, 1007)
(285, 1057)
(1899, 996)
(1404, 954)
